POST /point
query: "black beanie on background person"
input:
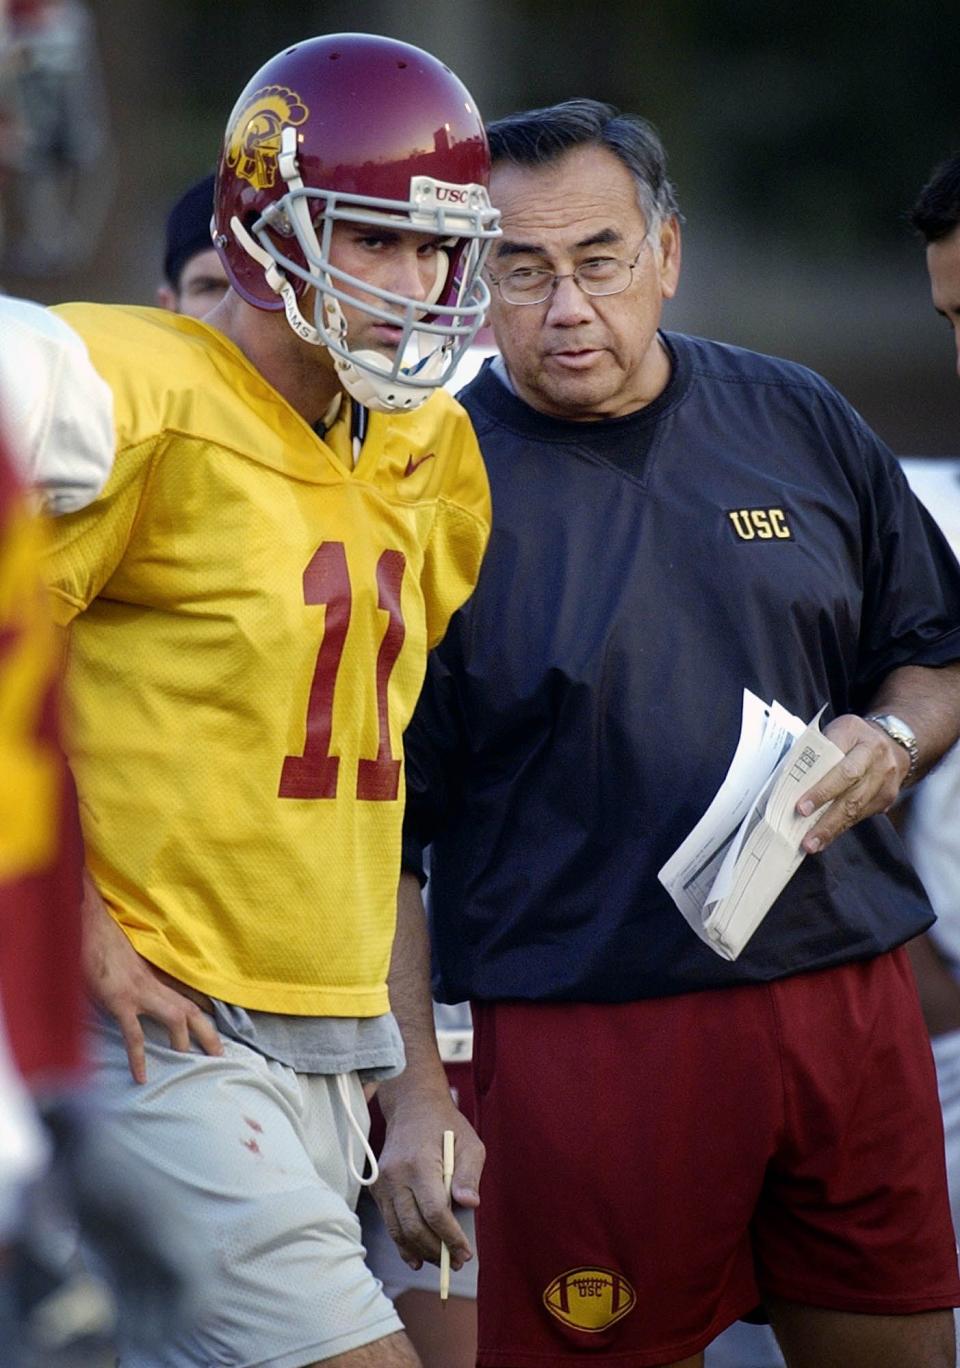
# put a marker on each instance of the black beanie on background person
(188, 228)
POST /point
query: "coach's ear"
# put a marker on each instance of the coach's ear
(166, 298)
(668, 250)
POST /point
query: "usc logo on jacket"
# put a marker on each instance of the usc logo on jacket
(762, 524)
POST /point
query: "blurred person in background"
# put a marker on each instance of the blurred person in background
(41, 1054)
(57, 432)
(194, 278)
(673, 1137)
(931, 818)
(56, 174)
(56, 421)
(294, 513)
(936, 217)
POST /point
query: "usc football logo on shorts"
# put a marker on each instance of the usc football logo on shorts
(254, 142)
(589, 1298)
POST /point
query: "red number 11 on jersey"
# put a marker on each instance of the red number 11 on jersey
(314, 774)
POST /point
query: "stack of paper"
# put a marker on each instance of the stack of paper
(745, 848)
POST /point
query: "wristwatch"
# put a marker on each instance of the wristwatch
(898, 731)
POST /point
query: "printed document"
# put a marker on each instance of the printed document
(742, 853)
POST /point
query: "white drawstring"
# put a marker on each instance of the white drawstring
(343, 1087)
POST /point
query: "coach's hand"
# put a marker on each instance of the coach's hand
(410, 1191)
(125, 985)
(866, 781)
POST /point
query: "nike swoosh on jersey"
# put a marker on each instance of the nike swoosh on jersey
(413, 465)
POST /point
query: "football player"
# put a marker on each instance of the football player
(56, 439)
(40, 1003)
(294, 513)
(56, 416)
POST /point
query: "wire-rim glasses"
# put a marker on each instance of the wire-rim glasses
(596, 276)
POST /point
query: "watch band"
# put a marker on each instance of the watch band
(898, 731)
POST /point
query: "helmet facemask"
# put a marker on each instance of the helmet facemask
(435, 331)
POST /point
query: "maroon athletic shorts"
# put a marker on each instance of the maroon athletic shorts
(655, 1168)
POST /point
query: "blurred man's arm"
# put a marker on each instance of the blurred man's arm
(59, 407)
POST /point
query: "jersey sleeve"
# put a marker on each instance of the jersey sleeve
(911, 608)
(458, 537)
(86, 547)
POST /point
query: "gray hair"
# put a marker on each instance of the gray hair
(537, 137)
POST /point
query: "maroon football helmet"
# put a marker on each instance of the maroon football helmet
(356, 128)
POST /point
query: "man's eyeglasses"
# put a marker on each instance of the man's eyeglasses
(598, 276)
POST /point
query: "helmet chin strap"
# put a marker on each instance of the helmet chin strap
(378, 391)
(363, 373)
(278, 282)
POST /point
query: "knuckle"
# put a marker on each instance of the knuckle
(406, 1210)
(392, 1226)
(434, 1211)
(392, 1177)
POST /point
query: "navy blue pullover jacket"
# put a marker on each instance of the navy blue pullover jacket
(745, 529)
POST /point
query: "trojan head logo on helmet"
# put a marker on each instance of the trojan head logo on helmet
(357, 129)
(253, 144)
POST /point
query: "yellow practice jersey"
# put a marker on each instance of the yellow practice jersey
(250, 620)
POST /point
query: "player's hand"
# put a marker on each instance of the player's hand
(866, 781)
(410, 1190)
(126, 986)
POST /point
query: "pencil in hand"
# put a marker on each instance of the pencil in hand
(447, 1172)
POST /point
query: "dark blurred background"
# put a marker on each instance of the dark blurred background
(798, 137)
